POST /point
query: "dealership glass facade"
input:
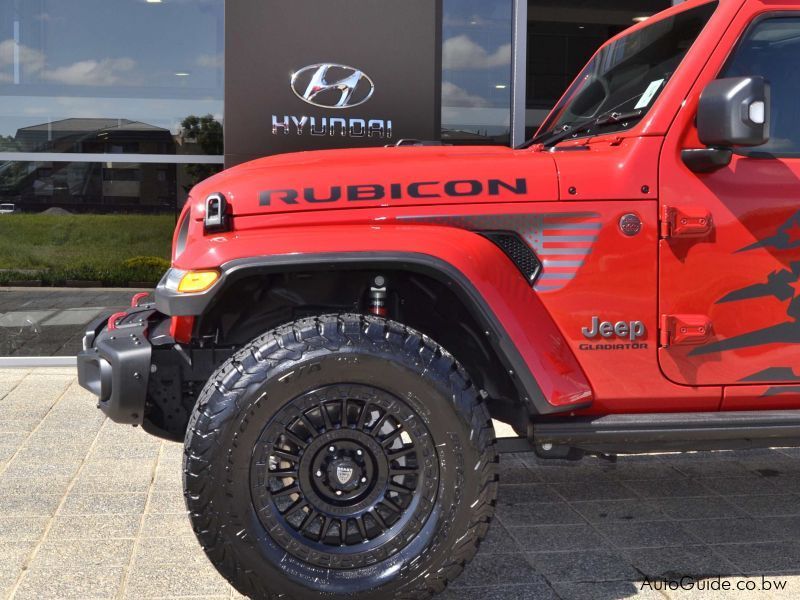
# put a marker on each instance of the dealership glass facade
(479, 40)
(476, 70)
(113, 109)
(78, 79)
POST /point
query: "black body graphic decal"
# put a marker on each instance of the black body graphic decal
(788, 236)
(783, 389)
(779, 284)
(775, 374)
(783, 285)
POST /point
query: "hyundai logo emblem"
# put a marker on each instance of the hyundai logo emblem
(330, 85)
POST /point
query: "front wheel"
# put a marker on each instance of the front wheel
(340, 456)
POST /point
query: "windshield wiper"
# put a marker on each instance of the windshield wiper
(618, 117)
(585, 126)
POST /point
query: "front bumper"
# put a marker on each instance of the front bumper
(115, 364)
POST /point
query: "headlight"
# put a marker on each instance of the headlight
(172, 279)
(197, 281)
(188, 282)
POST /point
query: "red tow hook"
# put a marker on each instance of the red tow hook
(138, 298)
(112, 320)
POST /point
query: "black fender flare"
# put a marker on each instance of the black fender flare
(178, 304)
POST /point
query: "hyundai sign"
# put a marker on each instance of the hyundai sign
(301, 76)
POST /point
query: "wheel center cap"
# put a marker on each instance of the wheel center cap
(344, 474)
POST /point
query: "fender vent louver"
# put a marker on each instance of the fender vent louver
(518, 251)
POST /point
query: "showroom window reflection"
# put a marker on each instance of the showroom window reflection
(90, 187)
(122, 77)
(476, 71)
(129, 61)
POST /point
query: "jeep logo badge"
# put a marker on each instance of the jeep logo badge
(343, 474)
(629, 331)
(330, 85)
(632, 330)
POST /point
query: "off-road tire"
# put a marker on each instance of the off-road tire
(240, 403)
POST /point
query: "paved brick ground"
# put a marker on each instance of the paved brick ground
(90, 509)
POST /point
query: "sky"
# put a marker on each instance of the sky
(476, 65)
(158, 62)
(155, 62)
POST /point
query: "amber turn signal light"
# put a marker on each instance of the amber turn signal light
(197, 281)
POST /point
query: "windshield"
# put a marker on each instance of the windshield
(623, 80)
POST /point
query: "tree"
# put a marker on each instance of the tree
(8, 143)
(206, 132)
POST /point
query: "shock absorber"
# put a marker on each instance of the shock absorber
(377, 296)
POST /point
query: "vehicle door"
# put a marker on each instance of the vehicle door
(729, 294)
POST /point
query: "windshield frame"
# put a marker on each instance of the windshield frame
(552, 129)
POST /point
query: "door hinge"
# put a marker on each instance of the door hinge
(684, 330)
(692, 221)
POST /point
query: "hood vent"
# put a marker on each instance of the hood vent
(518, 251)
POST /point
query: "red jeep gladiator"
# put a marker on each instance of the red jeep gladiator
(339, 328)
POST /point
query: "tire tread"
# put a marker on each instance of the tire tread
(217, 405)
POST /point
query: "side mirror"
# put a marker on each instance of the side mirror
(731, 112)
(734, 112)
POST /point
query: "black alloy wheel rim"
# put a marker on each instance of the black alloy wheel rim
(344, 475)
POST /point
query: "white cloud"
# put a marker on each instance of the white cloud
(210, 61)
(461, 53)
(108, 71)
(452, 95)
(30, 59)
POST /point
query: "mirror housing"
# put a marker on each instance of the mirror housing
(734, 112)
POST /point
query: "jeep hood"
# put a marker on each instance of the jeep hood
(382, 177)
